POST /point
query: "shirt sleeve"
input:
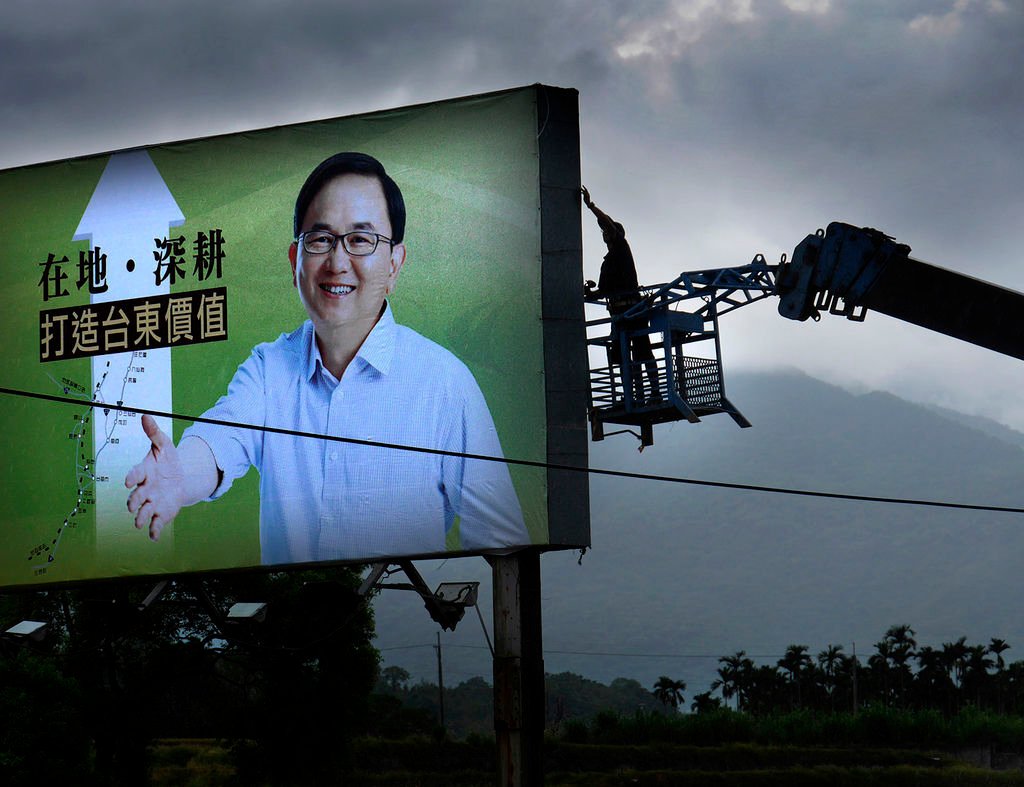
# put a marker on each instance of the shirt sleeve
(480, 492)
(236, 448)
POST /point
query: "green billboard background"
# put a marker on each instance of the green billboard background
(472, 283)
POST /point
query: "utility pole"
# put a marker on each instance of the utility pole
(518, 669)
(440, 685)
(854, 678)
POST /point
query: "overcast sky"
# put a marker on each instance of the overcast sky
(711, 130)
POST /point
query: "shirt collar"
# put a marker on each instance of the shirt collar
(379, 346)
(377, 350)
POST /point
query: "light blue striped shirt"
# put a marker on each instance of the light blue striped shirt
(324, 500)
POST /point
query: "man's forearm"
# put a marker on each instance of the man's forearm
(604, 221)
(201, 474)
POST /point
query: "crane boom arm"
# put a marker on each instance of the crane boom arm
(960, 306)
(848, 270)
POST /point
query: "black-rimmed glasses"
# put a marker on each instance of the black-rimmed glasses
(359, 243)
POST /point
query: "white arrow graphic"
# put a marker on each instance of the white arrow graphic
(129, 208)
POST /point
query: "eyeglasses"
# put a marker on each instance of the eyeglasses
(358, 243)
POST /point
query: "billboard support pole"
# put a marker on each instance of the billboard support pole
(518, 669)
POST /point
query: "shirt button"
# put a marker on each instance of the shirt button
(334, 456)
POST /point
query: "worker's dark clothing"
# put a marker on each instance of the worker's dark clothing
(618, 283)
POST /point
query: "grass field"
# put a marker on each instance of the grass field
(427, 763)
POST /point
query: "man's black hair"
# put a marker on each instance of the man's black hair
(353, 164)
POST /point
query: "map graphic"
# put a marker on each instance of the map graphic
(130, 207)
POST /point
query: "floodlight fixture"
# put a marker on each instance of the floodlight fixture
(446, 605)
(33, 630)
(461, 594)
(248, 611)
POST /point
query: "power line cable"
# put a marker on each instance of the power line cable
(614, 654)
(602, 654)
(524, 462)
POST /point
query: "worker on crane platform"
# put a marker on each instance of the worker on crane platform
(619, 285)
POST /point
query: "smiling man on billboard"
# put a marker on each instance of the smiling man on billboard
(349, 371)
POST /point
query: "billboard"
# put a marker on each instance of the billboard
(345, 340)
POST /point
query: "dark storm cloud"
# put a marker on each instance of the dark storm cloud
(121, 74)
(909, 112)
(195, 67)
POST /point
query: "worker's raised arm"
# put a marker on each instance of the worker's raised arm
(169, 478)
(604, 221)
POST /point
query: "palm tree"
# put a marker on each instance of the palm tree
(846, 681)
(997, 647)
(705, 703)
(829, 660)
(901, 642)
(1013, 681)
(955, 657)
(901, 636)
(976, 669)
(932, 681)
(669, 692)
(796, 662)
(734, 676)
(767, 690)
(952, 656)
(878, 663)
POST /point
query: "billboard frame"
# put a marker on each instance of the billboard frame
(566, 383)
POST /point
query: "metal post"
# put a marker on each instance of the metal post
(440, 685)
(518, 669)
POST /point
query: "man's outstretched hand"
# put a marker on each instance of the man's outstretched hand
(158, 481)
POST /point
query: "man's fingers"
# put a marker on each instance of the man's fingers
(149, 518)
(144, 515)
(155, 526)
(156, 436)
(136, 476)
(135, 499)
